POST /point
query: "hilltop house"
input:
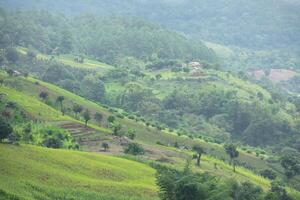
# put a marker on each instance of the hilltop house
(16, 73)
(195, 65)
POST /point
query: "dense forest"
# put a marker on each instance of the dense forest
(120, 38)
(261, 34)
(235, 23)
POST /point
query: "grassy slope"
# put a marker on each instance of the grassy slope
(38, 173)
(33, 106)
(149, 135)
(69, 60)
(146, 135)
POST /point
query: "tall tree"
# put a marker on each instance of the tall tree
(86, 116)
(60, 100)
(199, 150)
(98, 117)
(77, 109)
(233, 153)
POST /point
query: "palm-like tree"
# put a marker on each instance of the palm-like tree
(60, 100)
(199, 150)
(233, 153)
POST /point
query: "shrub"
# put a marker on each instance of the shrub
(45, 135)
(131, 134)
(5, 129)
(111, 119)
(267, 173)
(105, 146)
(248, 191)
(53, 142)
(134, 149)
(120, 116)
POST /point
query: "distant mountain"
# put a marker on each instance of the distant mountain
(252, 24)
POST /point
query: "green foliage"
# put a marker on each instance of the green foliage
(291, 165)
(131, 133)
(111, 119)
(268, 173)
(117, 129)
(199, 150)
(5, 129)
(44, 135)
(231, 150)
(60, 100)
(98, 117)
(233, 153)
(277, 192)
(87, 116)
(185, 185)
(247, 191)
(134, 149)
(44, 95)
(92, 88)
(254, 29)
(77, 109)
(12, 55)
(120, 37)
(105, 146)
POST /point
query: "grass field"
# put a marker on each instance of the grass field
(29, 172)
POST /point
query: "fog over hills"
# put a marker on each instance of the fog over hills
(252, 24)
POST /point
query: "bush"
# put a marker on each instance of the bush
(111, 119)
(267, 173)
(134, 149)
(53, 142)
(44, 135)
(5, 129)
(131, 134)
(120, 116)
(248, 191)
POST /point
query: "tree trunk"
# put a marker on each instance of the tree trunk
(198, 159)
(234, 166)
(61, 109)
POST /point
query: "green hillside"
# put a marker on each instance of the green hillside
(144, 134)
(147, 136)
(114, 107)
(29, 172)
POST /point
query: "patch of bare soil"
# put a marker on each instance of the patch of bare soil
(277, 75)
